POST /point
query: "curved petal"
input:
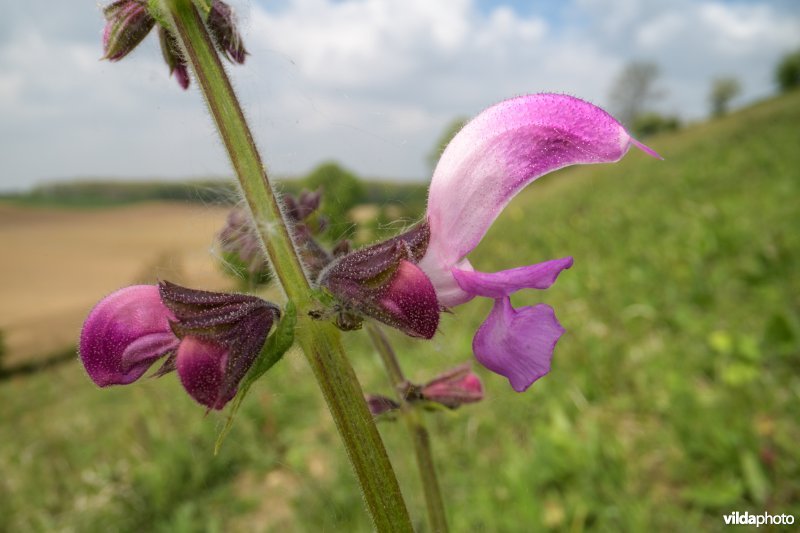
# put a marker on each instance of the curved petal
(501, 151)
(201, 368)
(507, 282)
(518, 343)
(125, 334)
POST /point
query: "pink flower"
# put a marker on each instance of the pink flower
(407, 281)
(486, 164)
(211, 339)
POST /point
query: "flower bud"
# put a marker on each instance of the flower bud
(222, 26)
(383, 282)
(211, 339)
(453, 388)
(380, 405)
(127, 23)
(240, 246)
(222, 335)
(173, 57)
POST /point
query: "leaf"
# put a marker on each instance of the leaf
(277, 344)
(754, 477)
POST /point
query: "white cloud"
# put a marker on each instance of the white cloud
(368, 82)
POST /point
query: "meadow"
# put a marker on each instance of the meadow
(673, 399)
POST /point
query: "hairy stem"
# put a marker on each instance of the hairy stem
(437, 517)
(321, 342)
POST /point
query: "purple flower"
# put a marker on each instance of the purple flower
(211, 339)
(486, 164)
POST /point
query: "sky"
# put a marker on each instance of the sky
(369, 83)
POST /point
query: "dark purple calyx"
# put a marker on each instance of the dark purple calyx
(173, 57)
(222, 25)
(235, 324)
(382, 281)
(127, 23)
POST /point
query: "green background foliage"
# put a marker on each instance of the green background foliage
(673, 397)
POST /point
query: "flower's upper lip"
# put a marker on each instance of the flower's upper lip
(497, 154)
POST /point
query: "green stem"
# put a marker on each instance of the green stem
(437, 517)
(320, 341)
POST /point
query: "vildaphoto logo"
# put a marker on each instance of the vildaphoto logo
(746, 519)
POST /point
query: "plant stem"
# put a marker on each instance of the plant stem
(437, 517)
(320, 341)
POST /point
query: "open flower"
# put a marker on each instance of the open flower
(486, 164)
(211, 339)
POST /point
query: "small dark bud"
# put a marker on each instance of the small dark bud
(222, 25)
(173, 57)
(240, 245)
(380, 405)
(127, 23)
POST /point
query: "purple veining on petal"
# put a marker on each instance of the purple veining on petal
(125, 334)
(518, 343)
(501, 151)
(201, 368)
(507, 282)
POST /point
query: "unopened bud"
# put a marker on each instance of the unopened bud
(222, 25)
(241, 247)
(380, 405)
(173, 57)
(453, 388)
(222, 335)
(127, 23)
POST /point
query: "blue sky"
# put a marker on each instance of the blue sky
(370, 83)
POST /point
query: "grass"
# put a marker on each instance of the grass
(673, 398)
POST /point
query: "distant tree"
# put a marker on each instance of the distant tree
(723, 90)
(447, 135)
(787, 73)
(341, 191)
(650, 123)
(634, 91)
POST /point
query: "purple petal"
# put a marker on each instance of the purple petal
(517, 343)
(201, 368)
(507, 282)
(498, 153)
(125, 334)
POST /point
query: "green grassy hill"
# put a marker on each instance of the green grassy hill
(673, 398)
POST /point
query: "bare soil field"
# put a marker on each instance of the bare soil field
(57, 263)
